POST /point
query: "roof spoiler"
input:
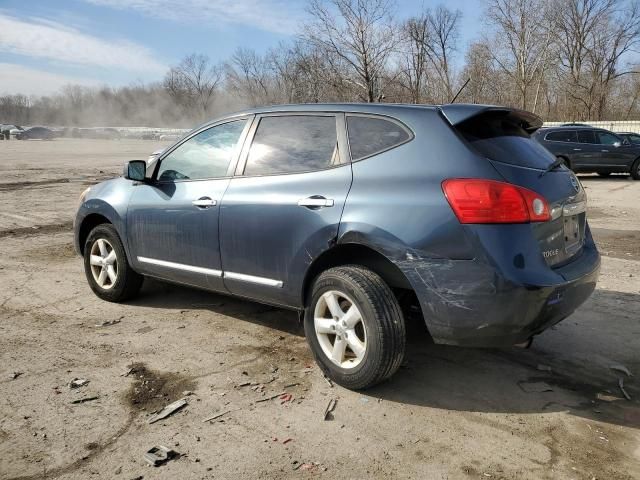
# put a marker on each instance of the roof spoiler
(458, 113)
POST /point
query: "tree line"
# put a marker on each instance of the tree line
(562, 59)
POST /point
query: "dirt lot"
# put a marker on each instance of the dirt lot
(554, 411)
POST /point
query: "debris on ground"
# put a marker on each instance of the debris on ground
(107, 323)
(535, 387)
(622, 369)
(284, 442)
(85, 399)
(158, 455)
(168, 410)
(543, 368)
(272, 397)
(285, 398)
(328, 412)
(328, 380)
(15, 375)
(78, 382)
(624, 392)
(218, 415)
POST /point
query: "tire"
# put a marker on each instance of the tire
(604, 174)
(635, 170)
(380, 328)
(106, 266)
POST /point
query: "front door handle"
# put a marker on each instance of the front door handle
(204, 202)
(316, 201)
(605, 151)
(577, 149)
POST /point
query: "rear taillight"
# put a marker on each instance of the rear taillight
(489, 201)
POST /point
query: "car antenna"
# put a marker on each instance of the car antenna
(460, 91)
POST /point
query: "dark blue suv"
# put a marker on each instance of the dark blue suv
(356, 215)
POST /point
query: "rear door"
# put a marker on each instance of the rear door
(172, 221)
(588, 153)
(284, 206)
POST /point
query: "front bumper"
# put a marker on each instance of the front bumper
(472, 303)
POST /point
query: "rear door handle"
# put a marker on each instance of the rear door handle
(577, 149)
(204, 202)
(316, 202)
(605, 151)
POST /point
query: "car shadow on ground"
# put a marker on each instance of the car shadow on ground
(507, 381)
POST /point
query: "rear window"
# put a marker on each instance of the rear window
(371, 135)
(562, 136)
(498, 136)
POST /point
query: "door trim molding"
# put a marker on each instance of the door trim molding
(269, 282)
(181, 266)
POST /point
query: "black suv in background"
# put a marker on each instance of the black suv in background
(588, 149)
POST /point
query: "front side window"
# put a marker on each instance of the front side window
(605, 138)
(586, 136)
(205, 155)
(562, 136)
(295, 143)
(370, 135)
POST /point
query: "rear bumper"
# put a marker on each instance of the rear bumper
(473, 303)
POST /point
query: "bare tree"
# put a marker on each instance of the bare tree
(193, 83)
(358, 35)
(443, 25)
(413, 69)
(521, 41)
(593, 37)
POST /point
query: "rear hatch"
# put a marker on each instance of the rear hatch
(502, 136)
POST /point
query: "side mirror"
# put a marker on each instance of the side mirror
(616, 144)
(136, 170)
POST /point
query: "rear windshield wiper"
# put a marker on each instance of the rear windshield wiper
(557, 163)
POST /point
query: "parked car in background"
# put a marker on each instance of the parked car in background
(355, 215)
(588, 149)
(9, 130)
(631, 137)
(35, 133)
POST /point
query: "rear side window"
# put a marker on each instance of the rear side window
(586, 136)
(371, 135)
(499, 136)
(296, 143)
(562, 136)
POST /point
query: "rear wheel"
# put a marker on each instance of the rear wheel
(354, 326)
(106, 266)
(635, 170)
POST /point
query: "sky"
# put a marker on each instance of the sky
(46, 44)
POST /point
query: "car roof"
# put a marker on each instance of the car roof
(455, 113)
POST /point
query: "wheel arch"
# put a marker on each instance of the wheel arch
(355, 254)
(89, 222)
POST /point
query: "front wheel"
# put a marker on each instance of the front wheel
(354, 326)
(106, 266)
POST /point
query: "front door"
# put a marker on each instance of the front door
(613, 153)
(172, 221)
(284, 207)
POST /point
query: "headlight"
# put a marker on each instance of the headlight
(83, 195)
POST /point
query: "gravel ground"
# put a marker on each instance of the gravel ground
(554, 411)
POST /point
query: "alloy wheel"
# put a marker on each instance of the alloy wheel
(340, 329)
(104, 263)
